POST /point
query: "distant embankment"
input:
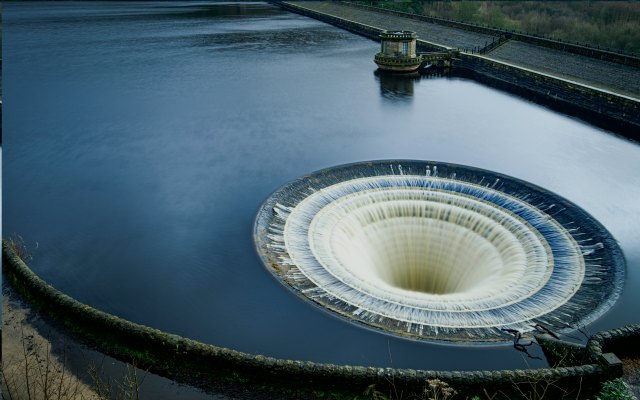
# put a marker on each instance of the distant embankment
(574, 48)
(595, 103)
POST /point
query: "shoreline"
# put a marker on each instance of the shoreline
(70, 360)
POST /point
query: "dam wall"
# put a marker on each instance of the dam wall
(606, 109)
(358, 28)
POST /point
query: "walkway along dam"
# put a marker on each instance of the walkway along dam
(600, 87)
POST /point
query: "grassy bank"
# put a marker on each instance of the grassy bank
(605, 24)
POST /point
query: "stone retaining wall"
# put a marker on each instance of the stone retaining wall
(355, 27)
(202, 364)
(607, 110)
(623, 341)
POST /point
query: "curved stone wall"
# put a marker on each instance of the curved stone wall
(621, 341)
(201, 364)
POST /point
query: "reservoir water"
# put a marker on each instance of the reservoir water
(140, 139)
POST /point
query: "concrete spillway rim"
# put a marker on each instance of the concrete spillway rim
(590, 243)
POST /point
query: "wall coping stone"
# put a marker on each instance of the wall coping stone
(175, 356)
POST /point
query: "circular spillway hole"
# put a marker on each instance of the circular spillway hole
(439, 251)
(422, 255)
(413, 245)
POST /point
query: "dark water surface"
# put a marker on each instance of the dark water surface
(141, 138)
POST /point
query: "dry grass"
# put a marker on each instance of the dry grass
(125, 388)
(433, 389)
(36, 367)
(17, 244)
(37, 374)
(631, 374)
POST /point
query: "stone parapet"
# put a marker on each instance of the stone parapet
(204, 364)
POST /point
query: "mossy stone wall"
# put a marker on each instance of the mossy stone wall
(204, 364)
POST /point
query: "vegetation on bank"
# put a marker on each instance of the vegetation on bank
(40, 374)
(609, 25)
(37, 375)
(435, 389)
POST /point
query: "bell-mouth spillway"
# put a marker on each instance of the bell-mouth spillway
(433, 250)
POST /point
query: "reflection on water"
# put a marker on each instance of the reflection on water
(396, 87)
(140, 140)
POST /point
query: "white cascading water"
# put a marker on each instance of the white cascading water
(429, 256)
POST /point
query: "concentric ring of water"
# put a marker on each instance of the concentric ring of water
(456, 256)
(412, 232)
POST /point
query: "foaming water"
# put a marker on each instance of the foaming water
(461, 256)
(422, 246)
